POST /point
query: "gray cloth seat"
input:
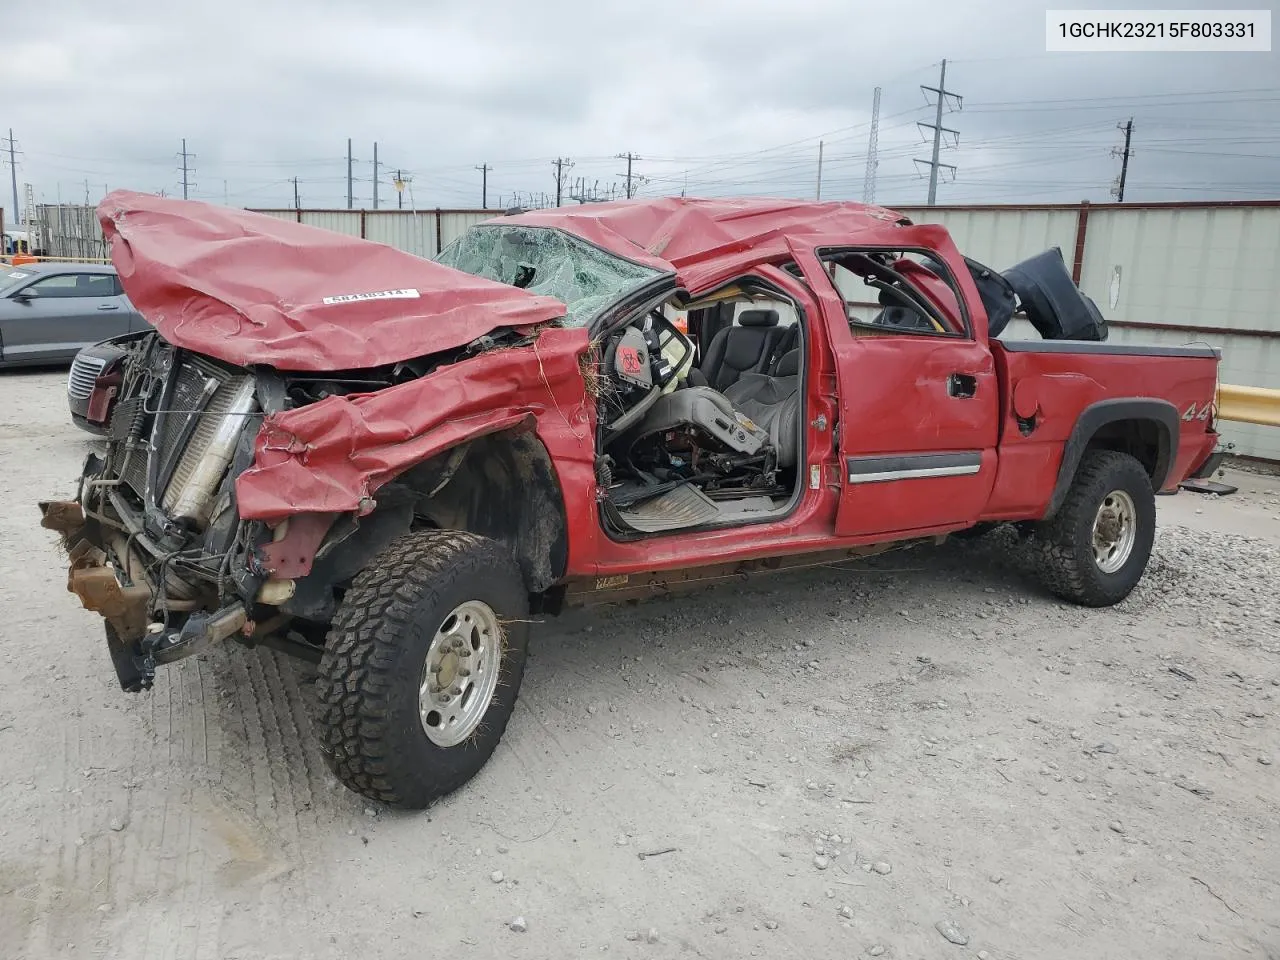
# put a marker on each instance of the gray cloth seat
(746, 347)
(773, 404)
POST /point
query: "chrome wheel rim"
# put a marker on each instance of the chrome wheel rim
(1115, 529)
(461, 673)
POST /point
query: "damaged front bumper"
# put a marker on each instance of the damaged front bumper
(136, 642)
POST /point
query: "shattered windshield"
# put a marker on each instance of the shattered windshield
(548, 262)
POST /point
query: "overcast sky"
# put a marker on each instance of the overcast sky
(715, 96)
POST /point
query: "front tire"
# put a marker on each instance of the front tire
(1094, 550)
(422, 667)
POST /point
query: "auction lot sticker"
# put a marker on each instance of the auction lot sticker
(1158, 31)
(406, 294)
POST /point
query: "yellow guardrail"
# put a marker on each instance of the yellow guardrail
(1248, 404)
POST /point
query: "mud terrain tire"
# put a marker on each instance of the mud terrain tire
(1071, 548)
(373, 728)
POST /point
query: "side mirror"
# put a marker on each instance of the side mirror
(25, 296)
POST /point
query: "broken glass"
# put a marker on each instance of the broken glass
(550, 262)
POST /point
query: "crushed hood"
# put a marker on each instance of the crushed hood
(250, 288)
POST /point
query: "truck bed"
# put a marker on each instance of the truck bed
(1047, 385)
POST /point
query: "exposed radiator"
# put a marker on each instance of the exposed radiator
(224, 397)
(208, 451)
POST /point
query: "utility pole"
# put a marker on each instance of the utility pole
(13, 172)
(938, 129)
(186, 169)
(562, 164)
(375, 174)
(399, 184)
(873, 152)
(350, 199)
(818, 195)
(1118, 190)
(484, 169)
(297, 201)
(630, 158)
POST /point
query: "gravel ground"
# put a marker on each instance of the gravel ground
(925, 756)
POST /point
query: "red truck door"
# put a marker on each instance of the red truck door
(918, 395)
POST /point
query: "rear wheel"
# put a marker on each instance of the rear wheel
(1095, 548)
(422, 666)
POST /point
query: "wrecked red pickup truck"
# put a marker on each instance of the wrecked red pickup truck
(385, 464)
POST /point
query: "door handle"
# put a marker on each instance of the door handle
(108, 306)
(962, 386)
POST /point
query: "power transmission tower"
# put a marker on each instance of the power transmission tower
(818, 195)
(484, 169)
(562, 165)
(1117, 190)
(187, 170)
(350, 196)
(13, 170)
(632, 181)
(375, 174)
(873, 152)
(941, 92)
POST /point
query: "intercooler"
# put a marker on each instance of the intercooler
(193, 438)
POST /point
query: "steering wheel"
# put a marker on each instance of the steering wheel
(659, 333)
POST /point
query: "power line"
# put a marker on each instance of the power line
(873, 151)
(818, 194)
(186, 170)
(1124, 163)
(562, 165)
(400, 182)
(631, 180)
(13, 171)
(942, 93)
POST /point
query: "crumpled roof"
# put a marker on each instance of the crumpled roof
(692, 234)
(254, 289)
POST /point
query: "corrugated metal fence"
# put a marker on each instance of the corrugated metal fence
(70, 230)
(421, 232)
(1162, 273)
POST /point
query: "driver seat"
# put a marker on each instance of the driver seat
(773, 404)
(745, 347)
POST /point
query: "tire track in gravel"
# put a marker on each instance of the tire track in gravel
(167, 834)
(282, 784)
(46, 894)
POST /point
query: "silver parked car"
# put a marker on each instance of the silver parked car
(49, 312)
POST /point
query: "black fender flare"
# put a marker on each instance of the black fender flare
(1097, 415)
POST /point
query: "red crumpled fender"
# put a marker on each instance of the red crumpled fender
(333, 455)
